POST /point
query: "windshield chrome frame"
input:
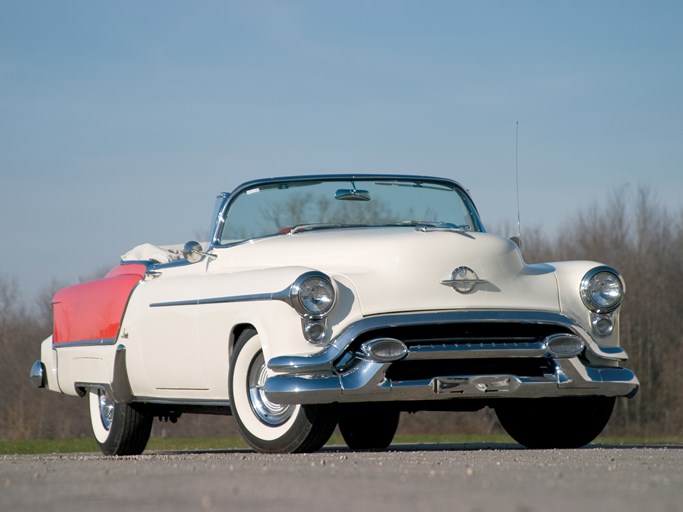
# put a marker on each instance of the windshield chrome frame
(228, 198)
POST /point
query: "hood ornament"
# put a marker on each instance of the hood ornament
(463, 280)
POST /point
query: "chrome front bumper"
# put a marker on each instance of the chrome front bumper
(343, 374)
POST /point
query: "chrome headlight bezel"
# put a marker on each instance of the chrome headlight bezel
(312, 295)
(602, 289)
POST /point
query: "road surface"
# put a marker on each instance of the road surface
(415, 478)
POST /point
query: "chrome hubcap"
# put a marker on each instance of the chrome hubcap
(268, 412)
(106, 408)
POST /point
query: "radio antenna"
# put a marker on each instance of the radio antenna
(519, 223)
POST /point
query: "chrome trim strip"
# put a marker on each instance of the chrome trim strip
(488, 351)
(290, 295)
(223, 300)
(82, 389)
(185, 402)
(146, 263)
(85, 343)
(612, 353)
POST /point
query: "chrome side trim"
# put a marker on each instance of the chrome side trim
(85, 343)
(184, 402)
(289, 295)
(282, 295)
(185, 405)
(219, 300)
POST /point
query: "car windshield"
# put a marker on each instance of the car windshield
(290, 207)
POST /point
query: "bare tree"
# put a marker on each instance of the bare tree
(630, 231)
(645, 243)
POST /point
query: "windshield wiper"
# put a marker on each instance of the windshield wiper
(419, 225)
(430, 225)
(311, 227)
(427, 226)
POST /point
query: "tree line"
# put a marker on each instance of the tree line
(629, 231)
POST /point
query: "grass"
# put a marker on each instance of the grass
(86, 445)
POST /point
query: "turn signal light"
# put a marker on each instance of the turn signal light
(384, 350)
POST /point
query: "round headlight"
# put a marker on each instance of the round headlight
(602, 290)
(313, 295)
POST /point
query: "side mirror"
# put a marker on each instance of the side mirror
(193, 252)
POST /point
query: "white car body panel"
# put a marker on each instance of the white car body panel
(520, 331)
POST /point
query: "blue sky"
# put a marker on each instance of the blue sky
(121, 121)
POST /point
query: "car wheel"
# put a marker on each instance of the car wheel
(269, 427)
(368, 427)
(119, 429)
(555, 422)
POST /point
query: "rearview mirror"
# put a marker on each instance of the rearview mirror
(348, 194)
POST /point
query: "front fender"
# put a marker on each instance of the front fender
(569, 275)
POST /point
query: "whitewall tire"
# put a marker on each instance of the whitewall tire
(119, 429)
(266, 426)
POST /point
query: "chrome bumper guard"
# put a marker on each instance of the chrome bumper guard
(330, 377)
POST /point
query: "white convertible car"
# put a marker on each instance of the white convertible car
(341, 300)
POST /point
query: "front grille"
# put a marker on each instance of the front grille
(475, 335)
(466, 333)
(421, 370)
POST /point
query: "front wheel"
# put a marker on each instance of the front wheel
(119, 429)
(555, 422)
(269, 427)
(368, 427)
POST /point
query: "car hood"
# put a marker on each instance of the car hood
(402, 269)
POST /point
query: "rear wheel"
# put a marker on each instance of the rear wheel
(368, 427)
(119, 429)
(555, 422)
(269, 427)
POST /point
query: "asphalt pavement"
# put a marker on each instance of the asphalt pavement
(415, 478)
